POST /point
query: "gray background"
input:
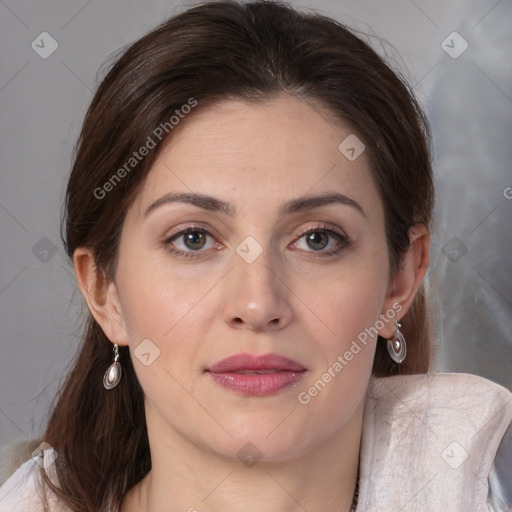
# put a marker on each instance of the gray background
(43, 101)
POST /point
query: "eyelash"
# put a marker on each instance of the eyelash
(343, 241)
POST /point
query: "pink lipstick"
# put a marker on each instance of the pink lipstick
(256, 375)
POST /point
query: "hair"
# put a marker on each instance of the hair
(219, 50)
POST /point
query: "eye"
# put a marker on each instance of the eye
(190, 240)
(322, 240)
(317, 240)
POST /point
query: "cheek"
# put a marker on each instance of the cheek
(167, 316)
(346, 302)
(336, 386)
(156, 299)
(348, 310)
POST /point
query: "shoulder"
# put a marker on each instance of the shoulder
(469, 409)
(433, 439)
(462, 394)
(23, 489)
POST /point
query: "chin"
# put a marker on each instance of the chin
(259, 440)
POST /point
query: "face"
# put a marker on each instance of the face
(254, 239)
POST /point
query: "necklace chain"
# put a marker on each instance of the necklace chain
(355, 499)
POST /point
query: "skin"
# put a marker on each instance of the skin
(292, 300)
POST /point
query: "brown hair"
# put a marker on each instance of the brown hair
(218, 50)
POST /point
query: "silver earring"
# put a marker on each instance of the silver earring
(396, 345)
(113, 374)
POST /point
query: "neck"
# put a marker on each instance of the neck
(185, 477)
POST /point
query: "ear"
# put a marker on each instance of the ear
(101, 296)
(403, 288)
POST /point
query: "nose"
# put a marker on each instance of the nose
(257, 297)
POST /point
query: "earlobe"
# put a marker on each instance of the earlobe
(101, 296)
(410, 275)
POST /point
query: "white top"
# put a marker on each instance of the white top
(430, 443)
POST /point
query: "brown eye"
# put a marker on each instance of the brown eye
(324, 241)
(194, 240)
(190, 240)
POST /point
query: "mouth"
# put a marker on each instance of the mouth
(256, 375)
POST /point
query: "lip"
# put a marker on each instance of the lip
(256, 375)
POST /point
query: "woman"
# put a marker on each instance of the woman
(248, 217)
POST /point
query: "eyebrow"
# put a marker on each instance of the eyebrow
(200, 200)
(213, 204)
(309, 202)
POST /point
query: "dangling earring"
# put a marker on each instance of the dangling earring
(396, 345)
(113, 374)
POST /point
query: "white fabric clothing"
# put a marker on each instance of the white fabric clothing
(430, 443)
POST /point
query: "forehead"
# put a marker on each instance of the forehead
(258, 153)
